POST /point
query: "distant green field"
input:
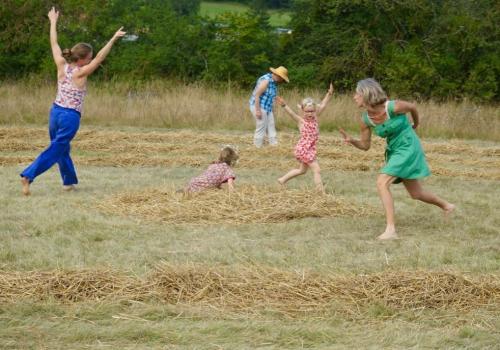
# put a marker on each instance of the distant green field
(212, 9)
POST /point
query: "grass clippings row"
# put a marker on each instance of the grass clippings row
(191, 148)
(255, 288)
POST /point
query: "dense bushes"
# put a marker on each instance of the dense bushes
(417, 48)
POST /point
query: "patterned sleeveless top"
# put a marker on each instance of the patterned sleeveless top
(68, 95)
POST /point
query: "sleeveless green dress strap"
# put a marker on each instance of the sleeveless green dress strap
(367, 120)
(390, 109)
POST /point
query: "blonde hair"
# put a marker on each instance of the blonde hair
(308, 101)
(228, 155)
(80, 50)
(371, 92)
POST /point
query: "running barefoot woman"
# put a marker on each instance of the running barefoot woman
(73, 68)
(405, 159)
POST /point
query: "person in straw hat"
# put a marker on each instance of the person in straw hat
(261, 104)
(404, 157)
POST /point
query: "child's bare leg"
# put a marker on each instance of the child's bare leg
(317, 176)
(25, 182)
(293, 173)
(383, 183)
(416, 191)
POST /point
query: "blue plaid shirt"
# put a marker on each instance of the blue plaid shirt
(267, 98)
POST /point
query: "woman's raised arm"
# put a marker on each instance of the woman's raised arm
(56, 49)
(101, 55)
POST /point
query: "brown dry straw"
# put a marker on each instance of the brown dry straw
(248, 204)
(189, 148)
(256, 288)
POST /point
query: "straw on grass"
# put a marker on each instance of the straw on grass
(258, 288)
(248, 204)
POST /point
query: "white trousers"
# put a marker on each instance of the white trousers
(263, 126)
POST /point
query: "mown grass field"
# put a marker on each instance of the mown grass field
(212, 9)
(77, 273)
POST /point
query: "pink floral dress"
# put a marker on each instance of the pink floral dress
(68, 95)
(305, 150)
(215, 175)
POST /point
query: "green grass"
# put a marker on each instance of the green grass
(52, 229)
(153, 326)
(278, 18)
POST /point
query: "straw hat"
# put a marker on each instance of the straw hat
(281, 71)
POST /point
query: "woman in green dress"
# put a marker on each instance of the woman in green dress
(405, 158)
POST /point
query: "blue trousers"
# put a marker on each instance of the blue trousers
(63, 125)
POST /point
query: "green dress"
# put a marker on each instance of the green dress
(404, 156)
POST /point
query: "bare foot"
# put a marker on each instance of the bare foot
(448, 210)
(282, 184)
(68, 188)
(25, 182)
(388, 235)
(321, 189)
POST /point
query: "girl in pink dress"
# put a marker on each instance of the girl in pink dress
(305, 150)
(217, 173)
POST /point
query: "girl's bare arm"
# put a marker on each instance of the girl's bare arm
(288, 110)
(326, 99)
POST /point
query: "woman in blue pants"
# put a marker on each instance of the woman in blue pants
(73, 68)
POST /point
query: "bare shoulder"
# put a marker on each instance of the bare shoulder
(401, 106)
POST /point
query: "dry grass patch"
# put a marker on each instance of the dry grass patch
(248, 204)
(162, 103)
(190, 148)
(256, 288)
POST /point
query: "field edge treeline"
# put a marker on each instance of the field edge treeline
(418, 48)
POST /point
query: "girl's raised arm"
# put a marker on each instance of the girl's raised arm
(101, 55)
(287, 109)
(56, 49)
(326, 99)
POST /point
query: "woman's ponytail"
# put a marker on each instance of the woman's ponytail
(66, 53)
(80, 50)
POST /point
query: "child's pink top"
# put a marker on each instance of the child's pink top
(305, 150)
(68, 95)
(215, 175)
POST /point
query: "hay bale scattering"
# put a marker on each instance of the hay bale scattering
(453, 158)
(248, 204)
(253, 289)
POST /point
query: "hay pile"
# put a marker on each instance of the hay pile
(70, 286)
(248, 204)
(254, 288)
(250, 287)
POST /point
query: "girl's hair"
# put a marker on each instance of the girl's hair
(228, 155)
(80, 50)
(308, 101)
(371, 92)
